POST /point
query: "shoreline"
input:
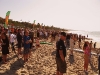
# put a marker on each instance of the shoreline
(86, 39)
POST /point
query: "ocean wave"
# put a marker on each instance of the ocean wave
(95, 35)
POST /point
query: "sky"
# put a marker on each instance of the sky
(67, 14)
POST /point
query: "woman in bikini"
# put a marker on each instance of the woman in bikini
(86, 55)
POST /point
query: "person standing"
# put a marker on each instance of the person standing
(94, 45)
(71, 45)
(12, 40)
(27, 40)
(68, 40)
(19, 41)
(5, 45)
(61, 54)
(79, 41)
(86, 49)
(31, 34)
(90, 45)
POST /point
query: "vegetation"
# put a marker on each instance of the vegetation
(27, 24)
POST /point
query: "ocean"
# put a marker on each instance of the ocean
(95, 35)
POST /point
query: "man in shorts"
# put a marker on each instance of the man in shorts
(61, 54)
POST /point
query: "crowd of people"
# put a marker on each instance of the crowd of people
(68, 41)
(27, 37)
(22, 38)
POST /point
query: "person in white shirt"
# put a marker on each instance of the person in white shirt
(22, 33)
(46, 35)
(71, 44)
(12, 40)
(41, 34)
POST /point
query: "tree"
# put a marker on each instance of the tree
(27, 24)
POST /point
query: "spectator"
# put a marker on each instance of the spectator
(12, 40)
(86, 55)
(94, 45)
(27, 42)
(61, 54)
(71, 44)
(68, 40)
(19, 41)
(5, 45)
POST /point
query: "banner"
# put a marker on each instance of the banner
(6, 19)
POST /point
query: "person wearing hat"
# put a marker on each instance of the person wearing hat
(61, 54)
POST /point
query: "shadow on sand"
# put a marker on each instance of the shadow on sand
(93, 68)
(71, 59)
(53, 53)
(14, 67)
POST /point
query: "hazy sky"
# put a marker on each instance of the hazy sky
(69, 14)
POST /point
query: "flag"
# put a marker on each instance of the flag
(34, 21)
(44, 26)
(6, 19)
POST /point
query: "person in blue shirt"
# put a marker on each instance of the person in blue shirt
(26, 40)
